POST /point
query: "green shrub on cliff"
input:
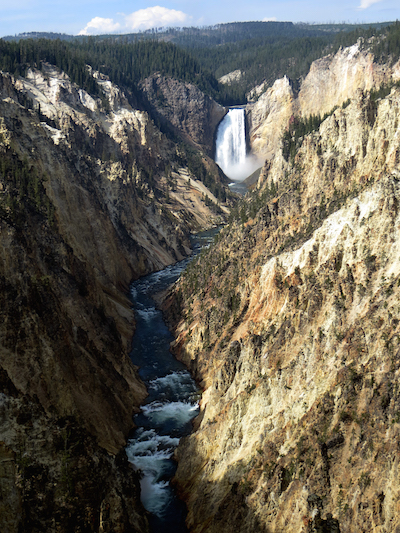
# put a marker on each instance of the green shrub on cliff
(22, 189)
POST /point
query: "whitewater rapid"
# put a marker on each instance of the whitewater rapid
(171, 405)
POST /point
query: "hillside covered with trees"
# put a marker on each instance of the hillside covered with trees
(262, 51)
(126, 63)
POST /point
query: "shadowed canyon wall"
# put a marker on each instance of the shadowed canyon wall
(185, 108)
(92, 195)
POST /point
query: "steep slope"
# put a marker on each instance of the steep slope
(331, 81)
(291, 324)
(92, 195)
(184, 107)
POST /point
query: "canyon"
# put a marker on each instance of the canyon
(289, 322)
(93, 195)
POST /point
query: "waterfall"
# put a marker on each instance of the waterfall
(230, 150)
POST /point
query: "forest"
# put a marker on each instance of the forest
(126, 63)
(262, 51)
(289, 51)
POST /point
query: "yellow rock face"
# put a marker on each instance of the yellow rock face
(291, 324)
(330, 82)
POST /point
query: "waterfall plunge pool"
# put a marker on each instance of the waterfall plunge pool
(172, 403)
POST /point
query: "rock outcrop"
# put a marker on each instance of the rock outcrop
(331, 81)
(183, 106)
(291, 325)
(92, 195)
(231, 77)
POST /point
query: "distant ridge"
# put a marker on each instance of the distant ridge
(213, 35)
(39, 35)
(262, 51)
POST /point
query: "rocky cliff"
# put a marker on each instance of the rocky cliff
(331, 81)
(183, 106)
(291, 325)
(92, 195)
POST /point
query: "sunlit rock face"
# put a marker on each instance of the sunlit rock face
(291, 323)
(92, 195)
(269, 116)
(330, 82)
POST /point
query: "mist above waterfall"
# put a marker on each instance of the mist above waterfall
(230, 150)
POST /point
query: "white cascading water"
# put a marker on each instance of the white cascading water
(230, 149)
(230, 153)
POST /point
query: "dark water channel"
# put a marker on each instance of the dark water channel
(172, 403)
(239, 187)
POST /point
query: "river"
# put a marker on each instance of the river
(172, 403)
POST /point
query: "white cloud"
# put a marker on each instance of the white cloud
(269, 19)
(154, 17)
(367, 3)
(100, 25)
(143, 19)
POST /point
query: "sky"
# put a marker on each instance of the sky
(93, 17)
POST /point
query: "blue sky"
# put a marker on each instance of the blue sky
(121, 16)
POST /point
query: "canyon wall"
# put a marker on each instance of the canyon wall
(92, 195)
(331, 81)
(189, 111)
(291, 325)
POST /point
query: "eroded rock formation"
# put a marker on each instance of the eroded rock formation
(291, 325)
(92, 195)
(331, 81)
